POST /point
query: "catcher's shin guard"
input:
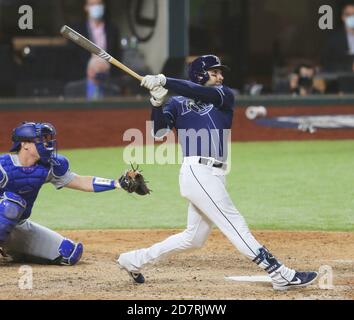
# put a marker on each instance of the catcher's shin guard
(70, 253)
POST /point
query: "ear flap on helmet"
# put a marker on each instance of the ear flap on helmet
(42, 134)
(198, 69)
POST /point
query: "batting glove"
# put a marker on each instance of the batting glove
(158, 96)
(150, 82)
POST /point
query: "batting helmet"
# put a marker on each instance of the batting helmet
(198, 69)
(41, 134)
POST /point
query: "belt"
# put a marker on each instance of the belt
(211, 162)
(216, 164)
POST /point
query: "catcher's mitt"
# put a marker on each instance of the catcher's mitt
(133, 181)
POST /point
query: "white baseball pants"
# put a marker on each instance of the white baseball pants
(210, 203)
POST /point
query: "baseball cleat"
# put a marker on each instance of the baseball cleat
(300, 280)
(136, 276)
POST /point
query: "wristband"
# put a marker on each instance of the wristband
(102, 184)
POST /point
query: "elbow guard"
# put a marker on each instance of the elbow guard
(61, 166)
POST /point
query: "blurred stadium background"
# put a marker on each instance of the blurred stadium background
(262, 42)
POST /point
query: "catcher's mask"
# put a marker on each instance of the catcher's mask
(41, 134)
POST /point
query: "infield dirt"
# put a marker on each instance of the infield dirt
(198, 274)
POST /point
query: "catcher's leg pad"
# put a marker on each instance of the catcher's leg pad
(70, 253)
(12, 206)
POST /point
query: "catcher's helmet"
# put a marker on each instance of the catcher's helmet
(41, 134)
(198, 69)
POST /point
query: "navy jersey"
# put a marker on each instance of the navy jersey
(202, 116)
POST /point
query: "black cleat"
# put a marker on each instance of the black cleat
(137, 277)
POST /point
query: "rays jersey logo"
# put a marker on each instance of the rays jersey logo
(198, 107)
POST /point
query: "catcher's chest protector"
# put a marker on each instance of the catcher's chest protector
(24, 181)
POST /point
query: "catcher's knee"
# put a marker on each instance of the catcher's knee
(12, 207)
(70, 253)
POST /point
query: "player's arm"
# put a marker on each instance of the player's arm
(220, 96)
(92, 184)
(163, 119)
(131, 181)
(61, 176)
(162, 114)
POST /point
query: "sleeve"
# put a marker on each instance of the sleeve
(60, 174)
(220, 96)
(164, 118)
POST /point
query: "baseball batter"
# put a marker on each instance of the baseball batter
(204, 104)
(33, 162)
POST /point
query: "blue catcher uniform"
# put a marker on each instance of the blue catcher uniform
(203, 116)
(21, 238)
(25, 181)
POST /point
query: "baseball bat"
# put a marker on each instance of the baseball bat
(79, 39)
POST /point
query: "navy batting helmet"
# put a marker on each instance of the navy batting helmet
(41, 134)
(198, 69)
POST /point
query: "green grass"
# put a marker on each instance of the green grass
(275, 185)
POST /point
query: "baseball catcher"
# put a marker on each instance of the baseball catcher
(32, 162)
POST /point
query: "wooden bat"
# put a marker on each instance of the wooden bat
(79, 39)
